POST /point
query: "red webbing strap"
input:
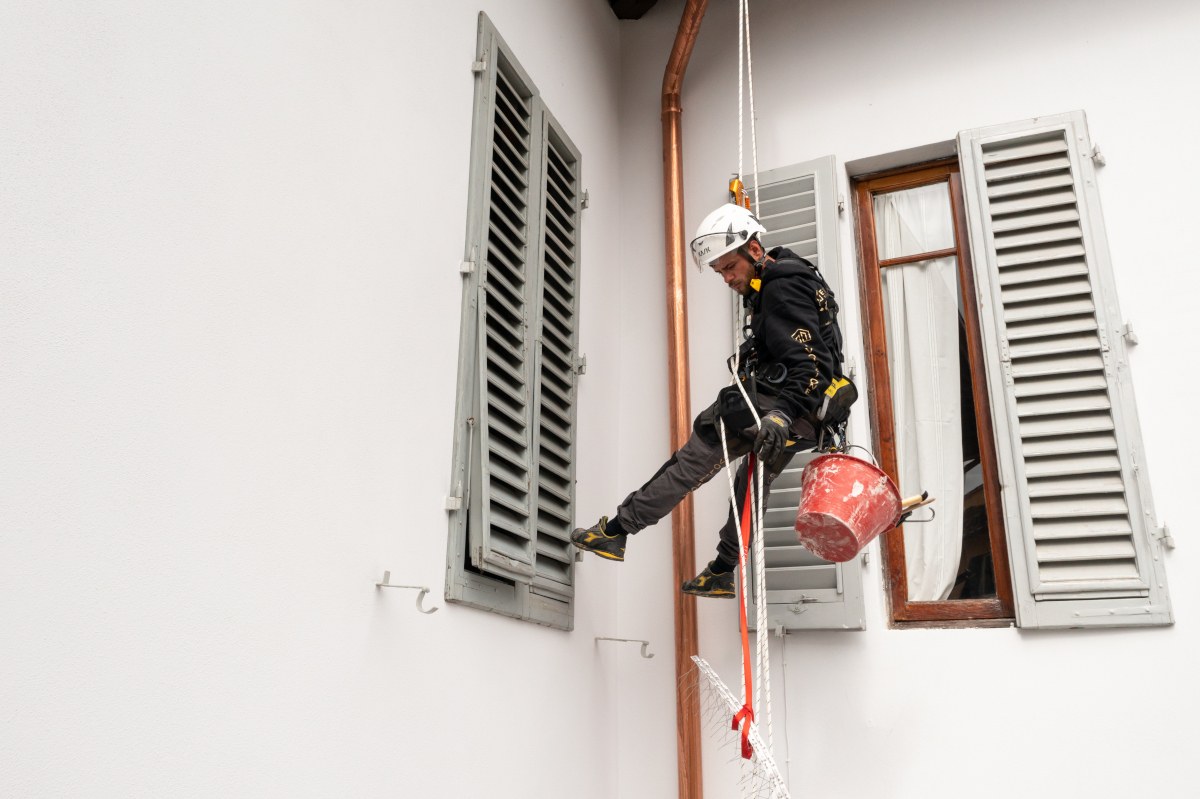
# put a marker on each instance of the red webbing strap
(747, 711)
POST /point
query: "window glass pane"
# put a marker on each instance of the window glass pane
(913, 221)
(937, 447)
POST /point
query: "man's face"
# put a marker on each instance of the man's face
(736, 270)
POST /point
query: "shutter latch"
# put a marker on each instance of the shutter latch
(798, 606)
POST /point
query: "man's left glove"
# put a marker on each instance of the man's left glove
(772, 436)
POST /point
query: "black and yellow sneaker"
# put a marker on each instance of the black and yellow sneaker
(596, 539)
(709, 583)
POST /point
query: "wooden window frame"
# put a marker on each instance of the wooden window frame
(997, 611)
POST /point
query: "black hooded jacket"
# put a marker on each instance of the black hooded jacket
(793, 320)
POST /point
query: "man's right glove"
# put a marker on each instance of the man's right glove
(772, 436)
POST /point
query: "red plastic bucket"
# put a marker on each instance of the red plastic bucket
(845, 502)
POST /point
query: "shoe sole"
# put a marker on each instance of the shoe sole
(712, 595)
(601, 553)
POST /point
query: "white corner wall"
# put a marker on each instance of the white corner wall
(229, 297)
(916, 714)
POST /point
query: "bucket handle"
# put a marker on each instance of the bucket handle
(905, 517)
(908, 506)
(870, 455)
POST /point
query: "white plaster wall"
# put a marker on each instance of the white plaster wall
(229, 299)
(943, 713)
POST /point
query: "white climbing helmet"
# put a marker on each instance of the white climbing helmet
(722, 231)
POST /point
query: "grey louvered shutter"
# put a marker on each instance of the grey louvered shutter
(512, 495)
(556, 360)
(501, 531)
(1078, 511)
(798, 207)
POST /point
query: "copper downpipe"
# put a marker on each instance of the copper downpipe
(687, 696)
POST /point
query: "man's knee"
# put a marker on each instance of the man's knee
(705, 426)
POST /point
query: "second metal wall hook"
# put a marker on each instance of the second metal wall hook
(384, 583)
(645, 644)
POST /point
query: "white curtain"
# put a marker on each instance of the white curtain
(922, 311)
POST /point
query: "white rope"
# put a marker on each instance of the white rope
(763, 667)
(737, 521)
(741, 72)
(755, 482)
(750, 84)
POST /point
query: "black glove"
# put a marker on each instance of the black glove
(772, 436)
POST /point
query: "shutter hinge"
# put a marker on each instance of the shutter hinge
(841, 203)
(584, 200)
(480, 66)
(1096, 156)
(581, 364)
(466, 267)
(453, 503)
(851, 368)
(1006, 363)
(866, 557)
(1163, 534)
(1127, 333)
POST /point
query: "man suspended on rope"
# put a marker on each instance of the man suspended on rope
(791, 368)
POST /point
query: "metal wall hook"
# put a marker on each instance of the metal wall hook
(387, 575)
(645, 644)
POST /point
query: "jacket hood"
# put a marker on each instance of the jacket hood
(786, 263)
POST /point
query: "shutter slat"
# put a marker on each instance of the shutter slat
(1055, 162)
(1087, 423)
(1076, 484)
(805, 185)
(1001, 152)
(1058, 345)
(1045, 310)
(1086, 549)
(771, 210)
(1074, 464)
(1002, 209)
(1029, 186)
(1044, 292)
(1039, 218)
(1080, 505)
(800, 578)
(1037, 273)
(1089, 571)
(1068, 445)
(1055, 365)
(1027, 237)
(1059, 404)
(1053, 326)
(1072, 384)
(1083, 527)
(1033, 254)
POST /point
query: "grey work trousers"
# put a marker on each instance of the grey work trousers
(697, 462)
